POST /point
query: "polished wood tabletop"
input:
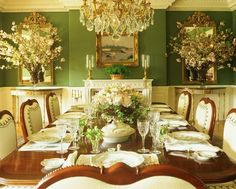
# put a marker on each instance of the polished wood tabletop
(23, 167)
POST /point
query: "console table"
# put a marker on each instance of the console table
(21, 94)
(142, 85)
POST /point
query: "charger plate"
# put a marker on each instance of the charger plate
(107, 159)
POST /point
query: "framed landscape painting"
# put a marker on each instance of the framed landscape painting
(123, 51)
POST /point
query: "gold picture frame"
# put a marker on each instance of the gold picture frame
(198, 22)
(123, 51)
(31, 21)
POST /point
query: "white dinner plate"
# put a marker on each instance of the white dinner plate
(107, 159)
(190, 136)
(159, 106)
(71, 115)
(52, 163)
(43, 138)
(204, 155)
(171, 116)
(163, 109)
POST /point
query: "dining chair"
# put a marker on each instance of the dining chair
(205, 116)
(120, 176)
(7, 133)
(229, 142)
(52, 107)
(184, 104)
(30, 118)
(229, 147)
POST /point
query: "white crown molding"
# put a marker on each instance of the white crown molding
(200, 5)
(65, 5)
(161, 4)
(232, 5)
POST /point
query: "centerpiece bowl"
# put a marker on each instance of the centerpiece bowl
(116, 132)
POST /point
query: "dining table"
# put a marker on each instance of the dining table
(24, 167)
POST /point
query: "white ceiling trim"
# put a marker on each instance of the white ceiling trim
(201, 5)
(65, 5)
(161, 4)
(232, 4)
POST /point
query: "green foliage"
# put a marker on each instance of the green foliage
(117, 69)
(94, 134)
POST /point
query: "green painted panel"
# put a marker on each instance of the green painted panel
(151, 41)
(234, 30)
(77, 42)
(59, 20)
(174, 68)
(1, 71)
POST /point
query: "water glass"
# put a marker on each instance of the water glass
(73, 128)
(143, 128)
(155, 134)
(154, 116)
(61, 131)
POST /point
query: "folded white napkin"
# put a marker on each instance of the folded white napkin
(149, 159)
(71, 159)
(206, 146)
(178, 122)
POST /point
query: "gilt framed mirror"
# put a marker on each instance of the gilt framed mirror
(197, 25)
(35, 27)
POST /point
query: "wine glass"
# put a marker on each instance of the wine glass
(73, 128)
(155, 133)
(143, 127)
(154, 117)
(61, 131)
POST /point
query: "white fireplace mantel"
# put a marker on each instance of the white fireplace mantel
(144, 86)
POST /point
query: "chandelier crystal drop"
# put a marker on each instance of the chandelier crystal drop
(116, 17)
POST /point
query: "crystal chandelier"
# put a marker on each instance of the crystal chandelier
(116, 17)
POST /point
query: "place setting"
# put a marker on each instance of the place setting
(191, 145)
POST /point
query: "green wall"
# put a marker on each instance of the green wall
(1, 71)
(174, 69)
(77, 42)
(59, 20)
(234, 30)
(151, 41)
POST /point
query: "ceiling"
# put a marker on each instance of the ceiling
(65, 5)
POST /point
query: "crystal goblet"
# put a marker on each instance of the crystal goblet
(61, 131)
(143, 127)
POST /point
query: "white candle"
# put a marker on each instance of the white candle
(143, 60)
(87, 61)
(148, 61)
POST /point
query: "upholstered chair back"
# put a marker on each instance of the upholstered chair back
(30, 117)
(52, 106)
(120, 176)
(205, 116)
(7, 134)
(229, 136)
(184, 104)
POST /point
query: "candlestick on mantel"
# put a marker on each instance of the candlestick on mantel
(89, 64)
(145, 63)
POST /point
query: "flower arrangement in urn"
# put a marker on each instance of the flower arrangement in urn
(32, 44)
(202, 48)
(121, 103)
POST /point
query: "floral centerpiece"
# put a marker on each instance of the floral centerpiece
(204, 50)
(32, 44)
(121, 103)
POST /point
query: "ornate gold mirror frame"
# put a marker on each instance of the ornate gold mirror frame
(35, 20)
(198, 22)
